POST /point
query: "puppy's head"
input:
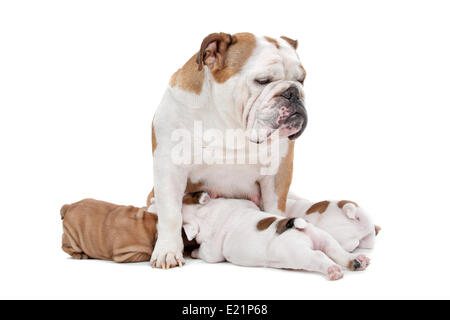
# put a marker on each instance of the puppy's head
(360, 225)
(349, 224)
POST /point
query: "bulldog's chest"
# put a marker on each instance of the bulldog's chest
(229, 181)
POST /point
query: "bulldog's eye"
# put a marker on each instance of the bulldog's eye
(263, 81)
(302, 81)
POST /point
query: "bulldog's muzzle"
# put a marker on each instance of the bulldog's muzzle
(296, 118)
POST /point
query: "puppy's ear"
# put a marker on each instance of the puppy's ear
(293, 43)
(350, 210)
(191, 230)
(213, 50)
(377, 229)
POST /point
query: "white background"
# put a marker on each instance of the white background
(80, 81)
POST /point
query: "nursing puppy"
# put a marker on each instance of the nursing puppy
(344, 220)
(239, 232)
(102, 230)
(249, 84)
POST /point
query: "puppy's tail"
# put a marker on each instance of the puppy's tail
(299, 223)
(289, 223)
(63, 210)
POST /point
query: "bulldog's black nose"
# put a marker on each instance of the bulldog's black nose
(291, 93)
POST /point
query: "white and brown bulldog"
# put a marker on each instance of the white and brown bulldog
(241, 85)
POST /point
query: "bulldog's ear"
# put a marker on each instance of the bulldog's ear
(213, 50)
(293, 43)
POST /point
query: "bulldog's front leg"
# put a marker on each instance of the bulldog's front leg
(170, 183)
(269, 198)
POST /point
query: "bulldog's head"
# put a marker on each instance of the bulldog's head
(262, 78)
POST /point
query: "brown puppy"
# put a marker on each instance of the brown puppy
(102, 230)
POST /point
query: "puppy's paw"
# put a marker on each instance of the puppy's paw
(195, 254)
(80, 256)
(335, 273)
(360, 263)
(165, 256)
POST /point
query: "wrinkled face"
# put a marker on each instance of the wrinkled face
(351, 227)
(365, 230)
(270, 91)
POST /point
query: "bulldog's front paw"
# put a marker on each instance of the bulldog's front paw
(166, 255)
(360, 263)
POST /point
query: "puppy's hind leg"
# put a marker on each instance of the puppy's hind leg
(71, 248)
(207, 254)
(288, 253)
(355, 262)
(132, 254)
(318, 261)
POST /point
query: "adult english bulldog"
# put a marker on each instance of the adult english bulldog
(244, 86)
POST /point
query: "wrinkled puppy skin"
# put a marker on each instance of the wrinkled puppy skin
(101, 230)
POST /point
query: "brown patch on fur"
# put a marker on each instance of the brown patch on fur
(190, 188)
(192, 198)
(154, 143)
(283, 225)
(213, 51)
(194, 187)
(377, 229)
(293, 43)
(265, 223)
(273, 41)
(188, 77)
(342, 203)
(150, 196)
(319, 207)
(236, 56)
(283, 177)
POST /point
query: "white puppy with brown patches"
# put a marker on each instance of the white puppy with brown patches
(239, 232)
(344, 220)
